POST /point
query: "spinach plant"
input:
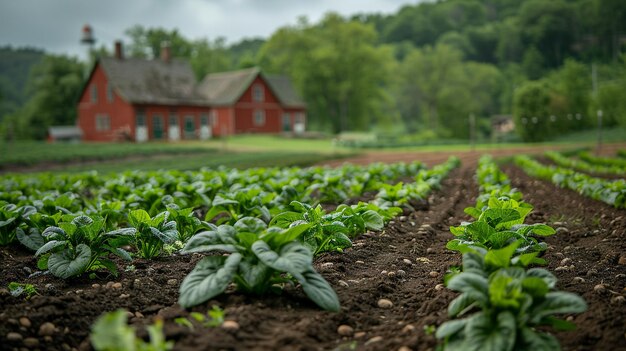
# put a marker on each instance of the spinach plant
(151, 233)
(511, 303)
(259, 259)
(11, 217)
(80, 244)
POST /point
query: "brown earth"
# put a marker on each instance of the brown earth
(375, 268)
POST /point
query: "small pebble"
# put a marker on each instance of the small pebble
(124, 296)
(374, 340)
(109, 285)
(622, 261)
(13, 336)
(359, 262)
(27, 270)
(49, 286)
(433, 274)
(96, 286)
(230, 325)
(592, 272)
(600, 288)
(4, 292)
(79, 291)
(401, 273)
(578, 280)
(391, 274)
(561, 268)
(172, 282)
(359, 335)
(46, 329)
(345, 330)
(409, 328)
(407, 261)
(558, 224)
(570, 318)
(116, 285)
(25, 322)
(559, 255)
(404, 348)
(31, 342)
(430, 250)
(439, 287)
(402, 218)
(326, 264)
(384, 272)
(618, 300)
(344, 284)
(562, 230)
(385, 303)
(139, 314)
(566, 261)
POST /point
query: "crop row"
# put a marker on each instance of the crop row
(266, 233)
(584, 166)
(603, 161)
(502, 299)
(612, 192)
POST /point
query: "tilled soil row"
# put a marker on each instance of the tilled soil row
(588, 256)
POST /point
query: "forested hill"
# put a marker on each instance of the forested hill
(15, 65)
(504, 31)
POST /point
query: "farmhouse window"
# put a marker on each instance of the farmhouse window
(259, 117)
(204, 120)
(190, 126)
(257, 93)
(109, 93)
(94, 93)
(141, 118)
(173, 120)
(299, 118)
(103, 122)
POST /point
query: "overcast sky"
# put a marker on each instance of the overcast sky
(55, 25)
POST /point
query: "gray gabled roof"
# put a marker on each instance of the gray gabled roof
(226, 88)
(285, 91)
(143, 81)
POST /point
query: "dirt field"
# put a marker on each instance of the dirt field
(403, 264)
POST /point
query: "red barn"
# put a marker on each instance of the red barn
(139, 100)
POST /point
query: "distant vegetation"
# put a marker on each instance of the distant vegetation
(550, 64)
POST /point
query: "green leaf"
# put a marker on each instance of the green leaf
(285, 219)
(471, 283)
(450, 327)
(110, 332)
(558, 302)
(535, 286)
(255, 276)
(501, 258)
(318, 290)
(542, 229)
(277, 239)
(373, 220)
(501, 238)
(138, 217)
(64, 264)
(473, 263)
(459, 304)
(293, 257)
(250, 225)
(49, 246)
(472, 211)
(535, 340)
(547, 277)
(483, 335)
(208, 279)
(33, 240)
(207, 241)
(480, 231)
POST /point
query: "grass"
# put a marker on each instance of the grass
(197, 161)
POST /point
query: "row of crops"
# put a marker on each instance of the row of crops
(574, 173)
(270, 222)
(504, 304)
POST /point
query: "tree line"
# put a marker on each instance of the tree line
(423, 70)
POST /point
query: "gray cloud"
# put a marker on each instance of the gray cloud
(55, 25)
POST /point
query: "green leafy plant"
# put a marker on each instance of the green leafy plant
(80, 244)
(512, 302)
(230, 207)
(186, 223)
(213, 318)
(111, 332)
(11, 217)
(151, 234)
(259, 259)
(18, 289)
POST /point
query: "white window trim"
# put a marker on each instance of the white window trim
(103, 122)
(94, 92)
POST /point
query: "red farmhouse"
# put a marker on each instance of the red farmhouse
(139, 100)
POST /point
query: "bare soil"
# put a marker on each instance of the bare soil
(404, 263)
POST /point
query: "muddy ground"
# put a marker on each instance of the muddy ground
(403, 264)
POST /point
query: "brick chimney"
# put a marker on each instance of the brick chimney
(118, 50)
(166, 53)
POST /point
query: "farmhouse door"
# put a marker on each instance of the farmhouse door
(173, 131)
(190, 127)
(141, 131)
(286, 122)
(157, 127)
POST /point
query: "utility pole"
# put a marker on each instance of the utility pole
(599, 146)
(472, 126)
